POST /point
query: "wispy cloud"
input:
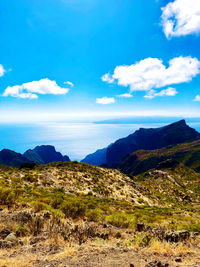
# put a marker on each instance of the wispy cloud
(107, 78)
(69, 83)
(2, 70)
(105, 100)
(181, 17)
(32, 89)
(151, 73)
(166, 92)
(126, 95)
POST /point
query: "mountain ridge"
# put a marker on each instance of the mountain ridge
(40, 155)
(143, 138)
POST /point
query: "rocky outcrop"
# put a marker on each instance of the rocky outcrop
(44, 154)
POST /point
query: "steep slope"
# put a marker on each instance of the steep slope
(44, 154)
(11, 158)
(150, 139)
(178, 185)
(97, 158)
(77, 178)
(144, 160)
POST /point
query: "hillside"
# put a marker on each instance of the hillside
(97, 158)
(71, 207)
(11, 158)
(144, 160)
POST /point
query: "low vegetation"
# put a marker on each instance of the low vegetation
(70, 204)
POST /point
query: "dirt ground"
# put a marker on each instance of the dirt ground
(91, 255)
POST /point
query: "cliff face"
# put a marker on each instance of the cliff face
(150, 139)
(40, 154)
(45, 154)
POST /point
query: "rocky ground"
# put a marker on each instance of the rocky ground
(72, 214)
(93, 244)
(90, 255)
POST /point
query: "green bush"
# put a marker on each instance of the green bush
(7, 196)
(122, 220)
(94, 215)
(73, 208)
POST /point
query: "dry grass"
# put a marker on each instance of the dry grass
(172, 249)
(20, 260)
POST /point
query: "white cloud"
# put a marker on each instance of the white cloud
(197, 98)
(69, 83)
(107, 78)
(2, 70)
(105, 100)
(126, 95)
(151, 73)
(166, 92)
(181, 17)
(32, 89)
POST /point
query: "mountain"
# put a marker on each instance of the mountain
(40, 154)
(150, 139)
(44, 154)
(97, 158)
(188, 154)
(12, 158)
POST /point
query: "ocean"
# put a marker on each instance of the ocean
(73, 139)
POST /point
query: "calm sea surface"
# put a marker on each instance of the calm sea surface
(74, 139)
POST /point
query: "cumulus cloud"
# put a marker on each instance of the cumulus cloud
(151, 73)
(33, 89)
(107, 78)
(105, 100)
(197, 98)
(2, 70)
(126, 95)
(166, 92)
(69, 83)
(181, 17)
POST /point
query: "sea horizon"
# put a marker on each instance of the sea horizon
(76, 139)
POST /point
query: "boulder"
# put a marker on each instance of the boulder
(177, 236)
(12, 238)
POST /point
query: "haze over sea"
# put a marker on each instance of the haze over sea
(76, 139)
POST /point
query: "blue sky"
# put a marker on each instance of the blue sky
(45, 44)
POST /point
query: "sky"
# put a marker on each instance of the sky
(72, 59)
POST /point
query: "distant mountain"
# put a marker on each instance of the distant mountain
(40, 154)
(187, 154)
(44, 154)
(97, 158)
(12, 158)
(146, 120)
(150, 139)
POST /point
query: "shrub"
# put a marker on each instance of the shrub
(122, 220)
(73, 208)
(94, 215)
(7, 196)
